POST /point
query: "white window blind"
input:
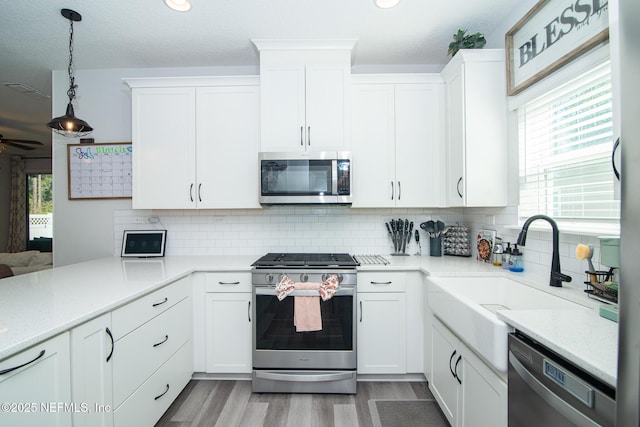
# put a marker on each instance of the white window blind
(566, 138)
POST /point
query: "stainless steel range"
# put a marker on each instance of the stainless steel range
(296, 347)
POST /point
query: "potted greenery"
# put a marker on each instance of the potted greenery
(462, 40)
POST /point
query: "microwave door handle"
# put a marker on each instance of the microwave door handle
(334, 177)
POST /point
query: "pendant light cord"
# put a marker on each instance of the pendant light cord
(71, 92)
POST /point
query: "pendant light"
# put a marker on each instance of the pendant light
(69, 125)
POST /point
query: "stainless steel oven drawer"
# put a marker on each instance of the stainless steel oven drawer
(277, 381)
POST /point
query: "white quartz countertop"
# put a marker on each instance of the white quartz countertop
(37, 306)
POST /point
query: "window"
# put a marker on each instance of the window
(40, 218)
(566, 138)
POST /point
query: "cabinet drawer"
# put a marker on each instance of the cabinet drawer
(152, 399)
(127, 318)
(140, 353)
(382, 282)
(227, 282)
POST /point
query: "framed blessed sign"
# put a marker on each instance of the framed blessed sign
(550, 35)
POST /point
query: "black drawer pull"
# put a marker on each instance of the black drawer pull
(165, 392)
(450, 366)
(228, 283)
(381, 283)
(166, 338)
(112, 344)
(160, 303)
(6, 371)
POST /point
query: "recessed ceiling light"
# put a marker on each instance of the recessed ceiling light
(386, 4)
(179, 5)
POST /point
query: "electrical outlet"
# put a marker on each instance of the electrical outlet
(138, 220)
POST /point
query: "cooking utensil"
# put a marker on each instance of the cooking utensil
(418, 242)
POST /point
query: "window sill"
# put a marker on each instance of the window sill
(584, 229)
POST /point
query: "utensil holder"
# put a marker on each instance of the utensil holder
(435, 246)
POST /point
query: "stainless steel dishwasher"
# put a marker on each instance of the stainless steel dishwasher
(545, 389)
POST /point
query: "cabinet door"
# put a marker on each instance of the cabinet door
(419, 141)
(163, 134)
(454, 181)
(444, 385)
(382, 345)
(282, 107)
(483, 395)
(228, 142)
(228, 332)
(327, 99)
(373, 146)
(36, 388)
(92, 348)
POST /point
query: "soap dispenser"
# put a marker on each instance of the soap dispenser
(515, 263)
(506, 256)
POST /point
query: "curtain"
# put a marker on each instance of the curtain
(18, 209)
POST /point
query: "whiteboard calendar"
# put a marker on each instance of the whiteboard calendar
(99, 171)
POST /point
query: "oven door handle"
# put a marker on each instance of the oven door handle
(305, 377)
(269, 290)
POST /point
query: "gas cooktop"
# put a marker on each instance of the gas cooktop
(305, 260)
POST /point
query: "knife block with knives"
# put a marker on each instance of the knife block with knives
(400, 231)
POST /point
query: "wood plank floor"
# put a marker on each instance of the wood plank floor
(231, 403)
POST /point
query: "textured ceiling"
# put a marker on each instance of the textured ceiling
(145, 33)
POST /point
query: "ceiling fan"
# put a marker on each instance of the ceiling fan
(22, 144)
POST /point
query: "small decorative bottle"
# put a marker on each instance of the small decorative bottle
(515, 262)
(506, 255)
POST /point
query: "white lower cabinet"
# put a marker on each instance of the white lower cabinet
(35, 383)
(227, 315)
(381, 323)
(155, 395)
(468, 392)
(92, 347)
(228, 329)
(415, 322)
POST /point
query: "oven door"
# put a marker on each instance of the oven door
(277, 345)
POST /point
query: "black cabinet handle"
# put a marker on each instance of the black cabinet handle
(616, 145)
(392, 190)
(228, 283)
(191, 192)
(249, 311)
(301, 135)
(199, 188)
(360, 311)
(160, 303)
(456, 369)
(166, 338)
(458, 187)
(399, 191)
(6, 371)
(165, 392)
(309, 136)
(451, 359)
(112, 344)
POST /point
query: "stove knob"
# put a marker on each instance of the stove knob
(268, 278)
(325, 276)
(340, 277)
(280, 277)
(304, 277)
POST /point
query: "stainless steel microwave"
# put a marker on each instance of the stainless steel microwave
(305, 178)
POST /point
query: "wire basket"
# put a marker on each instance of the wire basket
(596, 288)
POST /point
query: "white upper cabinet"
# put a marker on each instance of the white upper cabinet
(305, 95)
(398, 140)
(195, 142)
(476, 128)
